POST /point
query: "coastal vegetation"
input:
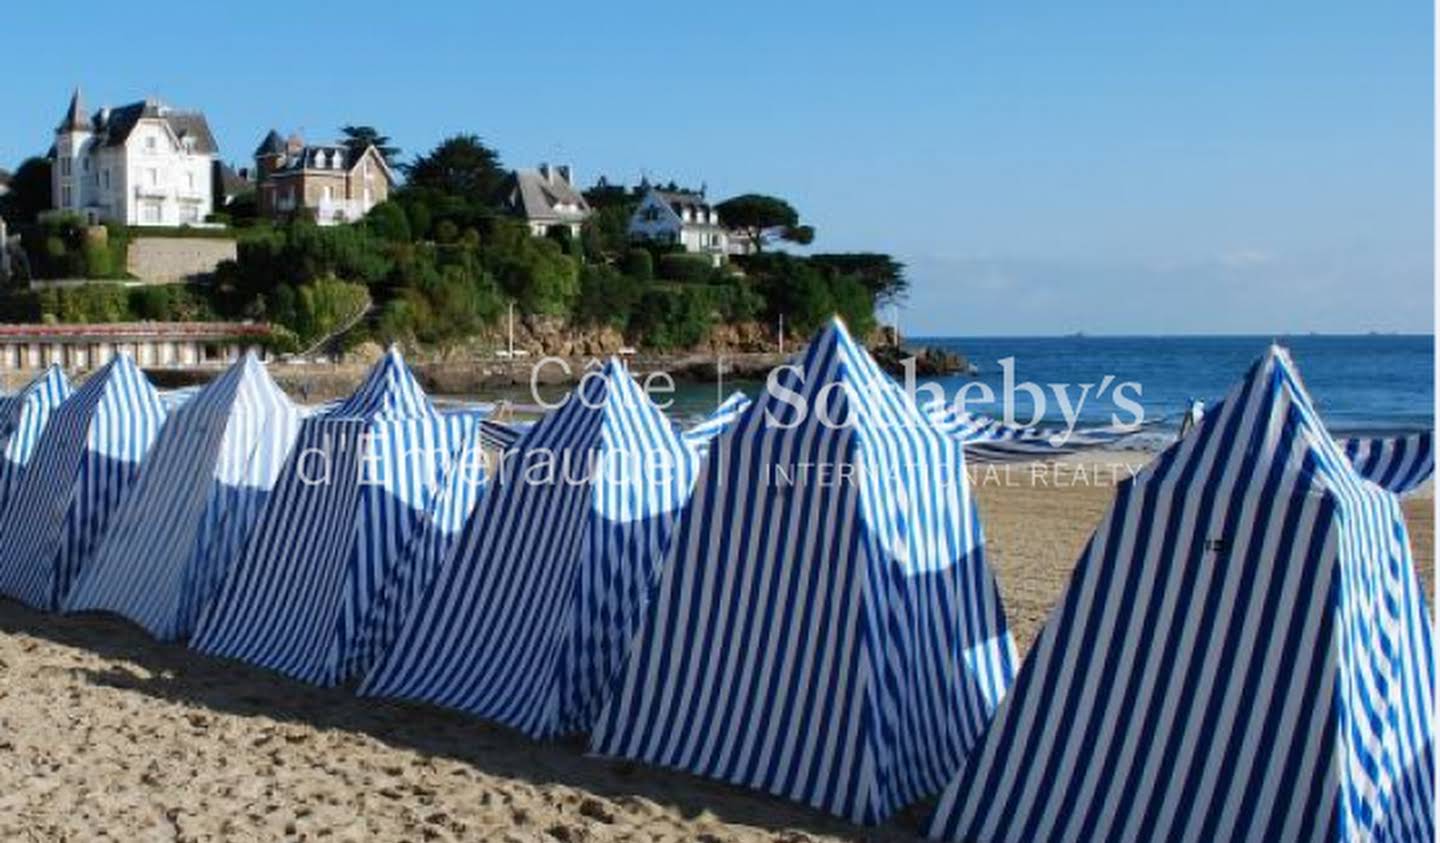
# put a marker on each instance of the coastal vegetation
(441, 261)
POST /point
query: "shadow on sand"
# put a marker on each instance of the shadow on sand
(178, 674)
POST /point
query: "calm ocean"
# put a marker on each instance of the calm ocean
(1362, 384)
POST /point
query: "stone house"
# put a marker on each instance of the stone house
(329, 182)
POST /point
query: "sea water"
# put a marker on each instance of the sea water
(1361, 384)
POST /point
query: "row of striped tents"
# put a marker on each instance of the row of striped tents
(1398, 463)
(826, 627)
(308, 595)
(198, 495)
(23, 417)
(1242, 654)
(87, 458)
(528, 622)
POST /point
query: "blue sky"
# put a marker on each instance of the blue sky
(1106, 167)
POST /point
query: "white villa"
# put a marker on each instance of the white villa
(684, 217)
(139, 164)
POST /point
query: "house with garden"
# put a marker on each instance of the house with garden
(330, 183)
(684, 218)
(546, 198)
(139, 164)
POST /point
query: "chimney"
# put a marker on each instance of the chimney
(563, 171)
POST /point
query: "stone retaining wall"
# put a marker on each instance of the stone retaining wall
(173, 260)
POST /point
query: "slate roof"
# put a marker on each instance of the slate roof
(113, 126)
(539, 198)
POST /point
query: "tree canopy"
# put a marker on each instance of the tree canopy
(359, 137)
(29, 192)
(762, 218)
(461, 166)
(881, 274)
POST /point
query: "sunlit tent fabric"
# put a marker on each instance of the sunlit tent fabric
(1242, 654)
(306, 597)
(1398, 463)
(87, 457)
(702, 433)
(462, 485)
(23, 417)
(199, 492)
(826, 627)
(528, 622)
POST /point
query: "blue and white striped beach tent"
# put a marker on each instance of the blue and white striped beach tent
(826, 627)
(528, 622)
(461, 488)
(990, 441)
(307, 595)
(87, 457)
(23, 417)
(199, 492)
(702, 433)
(1242, 654)
(1398, 463)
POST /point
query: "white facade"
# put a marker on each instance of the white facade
(684, 218)
(139, 165)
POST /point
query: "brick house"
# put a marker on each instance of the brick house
(329, 182)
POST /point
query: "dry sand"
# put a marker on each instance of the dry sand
(106, 733)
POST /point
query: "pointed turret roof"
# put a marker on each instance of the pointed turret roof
(273, 144)
(74, 119)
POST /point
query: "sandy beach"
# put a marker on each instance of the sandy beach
(107, 734)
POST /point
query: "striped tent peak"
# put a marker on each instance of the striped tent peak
(1242, 653)
(125, 410)
(86, 459)
(825, 627)
(259, 421)
(628, 441)
(23, 414)
(389, 391)
(528, 620)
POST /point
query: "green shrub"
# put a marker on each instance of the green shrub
(607, 297)
(673, 317)
(639, 265)
(686, 267)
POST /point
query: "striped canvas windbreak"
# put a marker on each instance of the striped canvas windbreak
(86, 459)
(23, 417)
(306, 596)
(199, 492)
(826, 628)
(1399, 463)
(528, 621)
(1242, 654)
